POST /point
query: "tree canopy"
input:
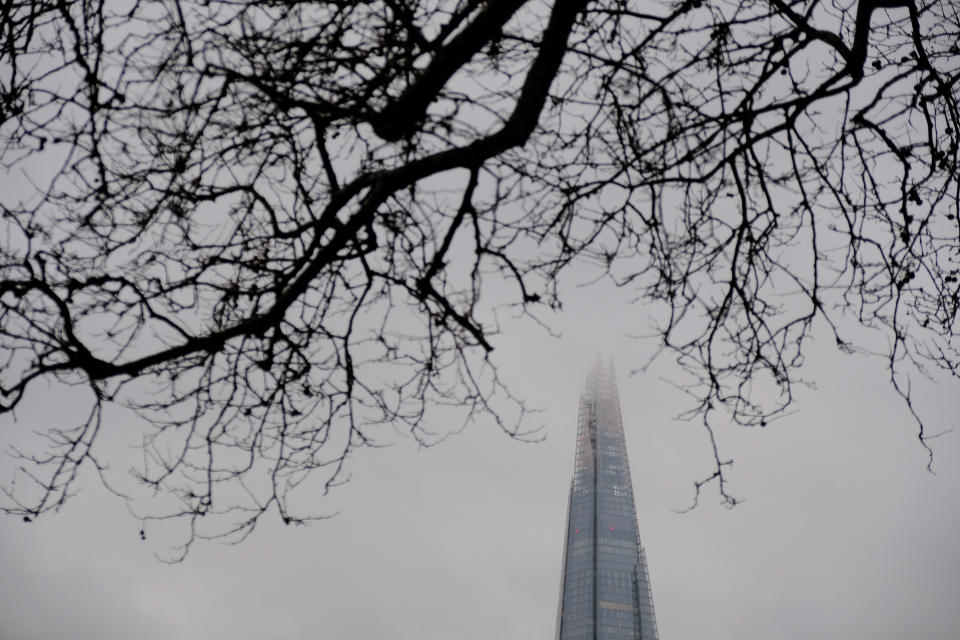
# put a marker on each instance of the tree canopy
(271, 228)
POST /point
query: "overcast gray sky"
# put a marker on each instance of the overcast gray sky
(842, 532)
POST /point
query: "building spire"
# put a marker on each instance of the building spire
(605, 588)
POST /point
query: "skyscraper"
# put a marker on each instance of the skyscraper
(605, 588)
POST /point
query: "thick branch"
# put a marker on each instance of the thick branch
(401, 118)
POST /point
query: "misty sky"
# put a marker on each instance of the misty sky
(842, 532)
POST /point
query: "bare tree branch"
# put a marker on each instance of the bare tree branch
(272, 230)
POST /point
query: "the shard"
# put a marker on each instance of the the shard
(605, 588)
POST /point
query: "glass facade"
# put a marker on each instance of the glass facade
(605, 588)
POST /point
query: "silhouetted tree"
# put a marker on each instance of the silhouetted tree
(270, 227)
